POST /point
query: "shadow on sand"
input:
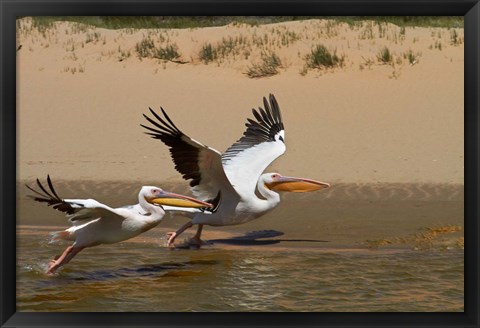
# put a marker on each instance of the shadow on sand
(251, 239)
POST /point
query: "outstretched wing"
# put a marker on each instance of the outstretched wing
(196, 162)
(262, 142)
(75, 209)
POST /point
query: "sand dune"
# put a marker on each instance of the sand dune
(82, 91)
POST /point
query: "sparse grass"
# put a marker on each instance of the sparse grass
(381, 29)
(93, 37)
(368, 62)
(208, 53)
(268, 66)
(367, 32)
(321, 57)
(167, 53)
(455, 38)
(228, 46)
(411, 57)
(239, 50)
(331, 28)
(145, 48)
(384, 56)
(42, 25)
(72, 70)
(124, 54)
(288, 38)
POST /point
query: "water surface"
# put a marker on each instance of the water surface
(351, 248)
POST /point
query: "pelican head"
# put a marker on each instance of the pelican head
(158, 196)
(278, 182)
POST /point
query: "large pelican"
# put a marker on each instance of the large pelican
(232, 181)
(95, 223)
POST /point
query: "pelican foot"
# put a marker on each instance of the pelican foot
(171, 238)
(52, 265)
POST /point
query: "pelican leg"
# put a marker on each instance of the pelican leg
(63, 259)
(173, 235)
(195, 240)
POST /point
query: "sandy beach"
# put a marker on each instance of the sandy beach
(81, 93)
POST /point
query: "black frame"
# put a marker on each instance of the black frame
(10, 10)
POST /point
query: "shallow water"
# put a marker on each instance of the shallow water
(315, 256)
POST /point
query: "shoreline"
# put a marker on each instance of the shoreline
(228, 240)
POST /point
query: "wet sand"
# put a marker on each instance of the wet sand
(346, 215)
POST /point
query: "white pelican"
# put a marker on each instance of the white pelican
(232, 181)
(95, 223)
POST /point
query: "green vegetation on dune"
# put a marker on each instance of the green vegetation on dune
(268, 66)
(257, 51)
(118, 22)
(321, 57)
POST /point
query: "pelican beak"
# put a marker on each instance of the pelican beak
(171, 199)
(296, 184)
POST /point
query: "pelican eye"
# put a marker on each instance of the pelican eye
(281, 138)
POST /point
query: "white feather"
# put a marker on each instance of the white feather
(245, 168)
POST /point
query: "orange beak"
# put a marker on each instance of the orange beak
(171, 199)
(291, 184)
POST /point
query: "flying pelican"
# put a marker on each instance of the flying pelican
(95, 223)
(233, 181)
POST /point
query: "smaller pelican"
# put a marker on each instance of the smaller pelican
(95, 223)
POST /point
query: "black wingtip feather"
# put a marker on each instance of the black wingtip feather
(256, 114)
(43, 189)
(267, 124)
(185, 155)
(52, 200)
(168, 119)
(50, 185)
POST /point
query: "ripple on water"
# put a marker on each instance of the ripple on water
(150, 278)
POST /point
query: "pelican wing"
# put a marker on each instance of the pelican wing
(76, 210)
(196, 162)
(262, 142)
